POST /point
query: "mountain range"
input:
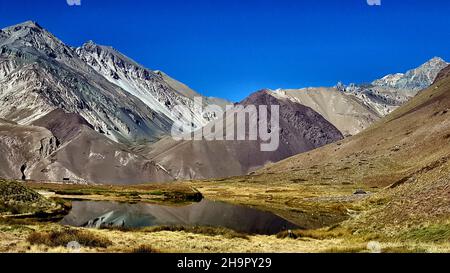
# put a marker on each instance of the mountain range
(91, 114)
(355, 107)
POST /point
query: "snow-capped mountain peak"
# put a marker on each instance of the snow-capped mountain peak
(415, 79)
(388, 93)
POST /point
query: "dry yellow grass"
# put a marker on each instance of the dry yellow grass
(169, 241)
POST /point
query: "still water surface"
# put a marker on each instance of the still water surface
(204, 213)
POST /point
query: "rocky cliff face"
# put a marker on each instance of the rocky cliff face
(94, 102)
(65, 147)
(22, 147)
(154, 88)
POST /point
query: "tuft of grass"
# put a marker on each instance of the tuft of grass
(347, 249)
(15, 198)
(403, 250)
(145, 249)
(319, 234)
(15, 190)
(121, 228)
(63, 237)
(298, 180)
(71, 192)
(204, 230)
(434, 233)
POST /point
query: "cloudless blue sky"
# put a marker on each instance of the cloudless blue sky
(230, 48)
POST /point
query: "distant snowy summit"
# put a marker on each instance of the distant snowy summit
(386, 94)
(354, 107)
(415, 79)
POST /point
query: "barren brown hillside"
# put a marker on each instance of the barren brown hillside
(406, 154)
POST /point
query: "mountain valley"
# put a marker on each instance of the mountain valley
(87, 151)
(123, 114)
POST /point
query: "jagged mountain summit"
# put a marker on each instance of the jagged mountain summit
(415, 79)
(39, 74)
(355, 107)
(390, 92)
(155, 88)
(119, 98)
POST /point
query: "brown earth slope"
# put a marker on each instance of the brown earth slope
(301, 129)
(343, 110)
(407, 153)
(64, 126)
(86, 155)
(64, 146)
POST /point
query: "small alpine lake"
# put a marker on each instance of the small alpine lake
(100, 214)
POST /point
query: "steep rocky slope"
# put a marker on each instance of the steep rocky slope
(118, 97)
(154, 88)
(40, 74)
(21, 147)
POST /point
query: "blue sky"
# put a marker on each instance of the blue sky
(234, 47)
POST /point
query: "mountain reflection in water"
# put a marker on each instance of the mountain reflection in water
(205, 213)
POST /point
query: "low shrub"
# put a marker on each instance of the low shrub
(205, 230)
(63, 237)
(145, 249)
(434, 233)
